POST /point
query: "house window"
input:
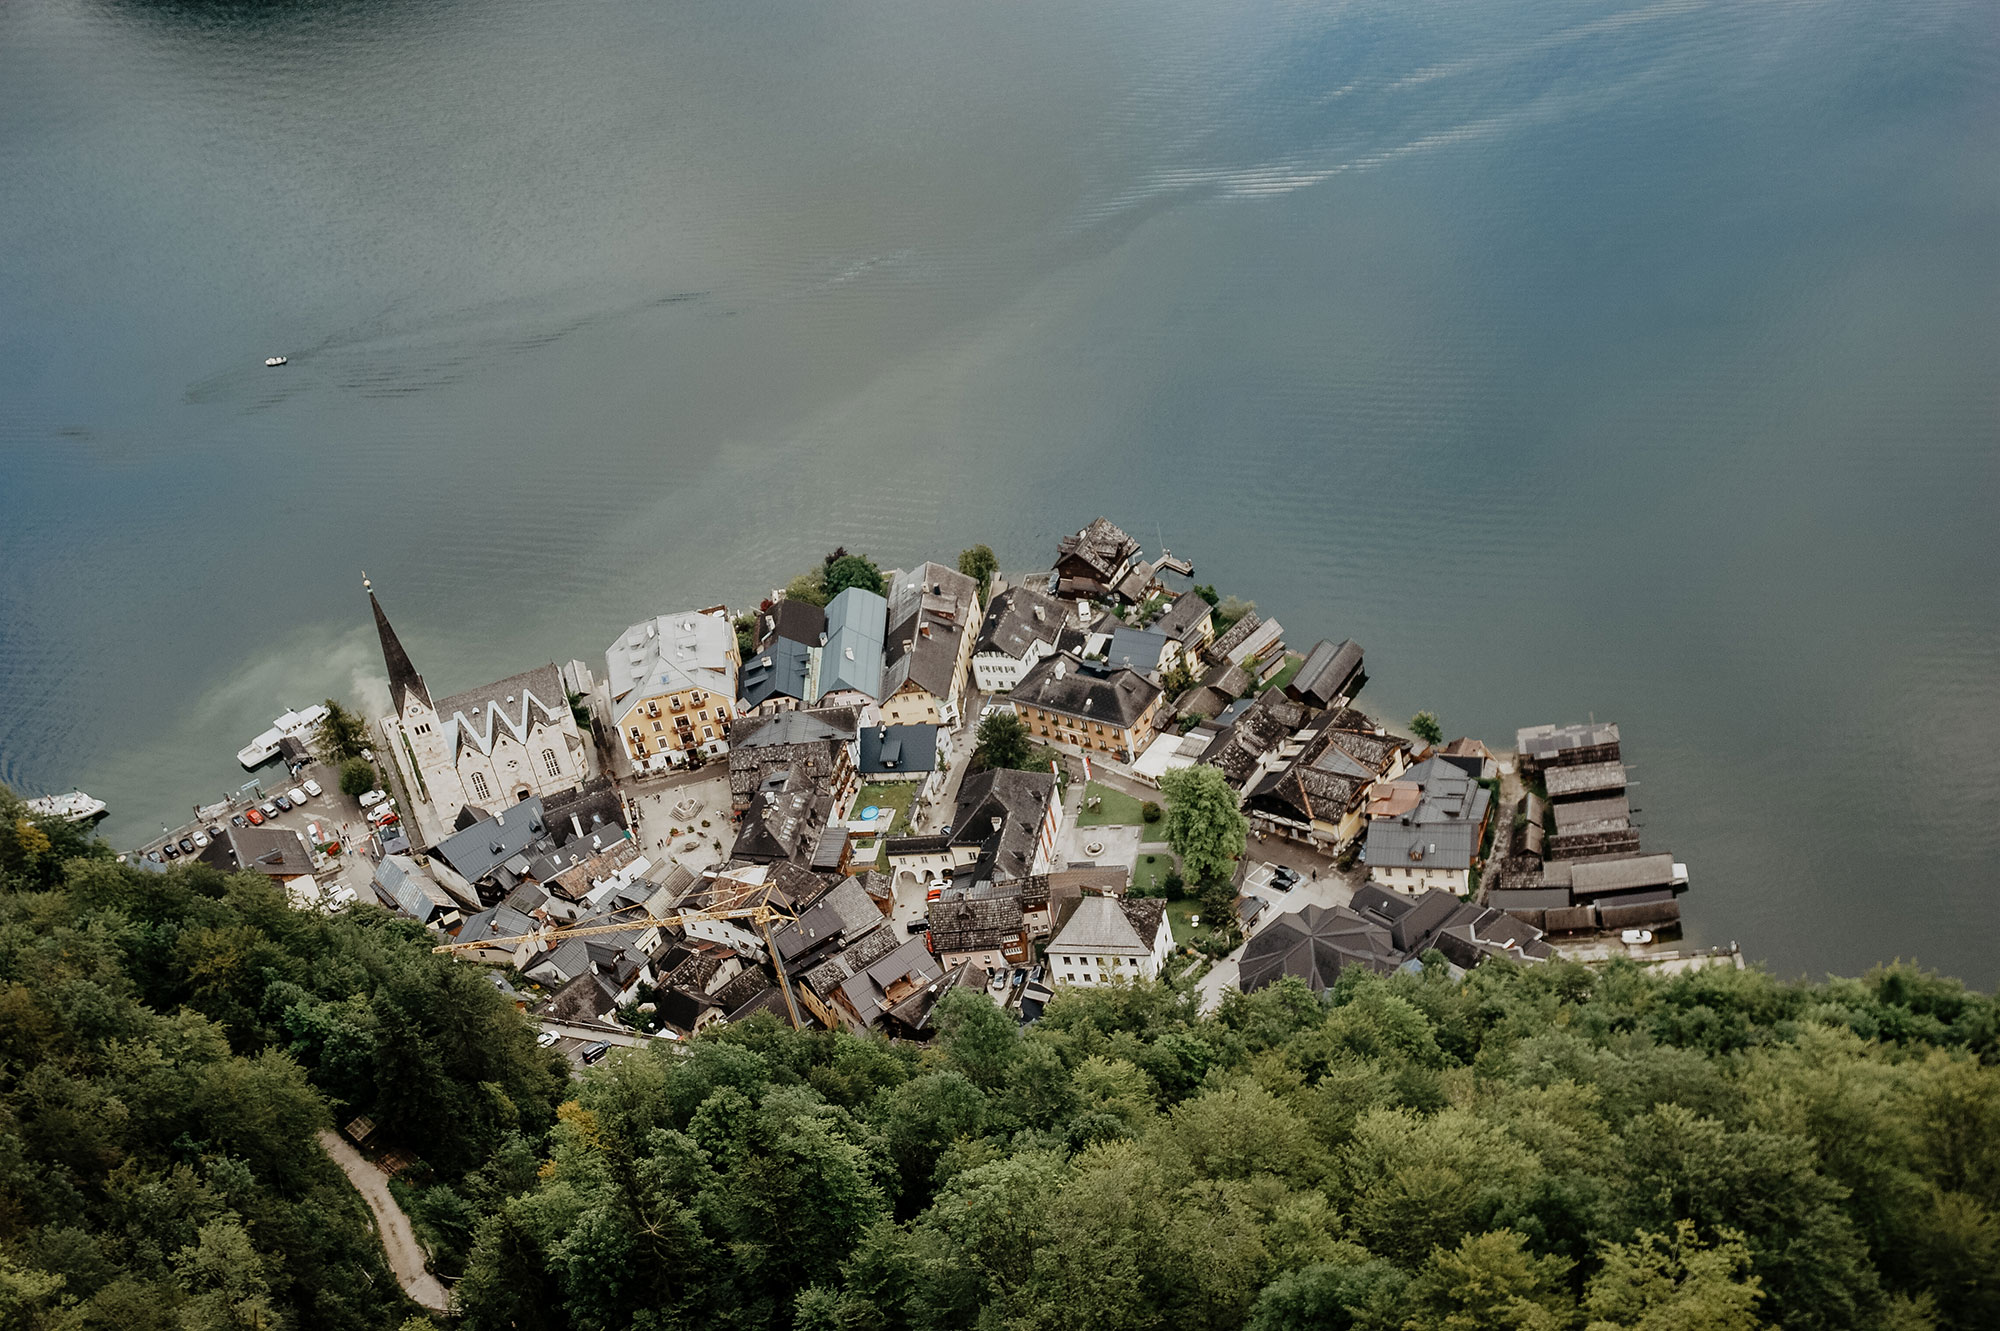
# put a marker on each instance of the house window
(703, 714)
(479, 785)
(635, 731)
(657, 728)
(549, 761)
(708, 732)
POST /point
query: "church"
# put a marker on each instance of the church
(484, 748)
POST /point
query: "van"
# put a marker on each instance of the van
(596, 1052)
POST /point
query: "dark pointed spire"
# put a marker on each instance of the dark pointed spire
(403, 677)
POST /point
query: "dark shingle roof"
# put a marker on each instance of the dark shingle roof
(1183, 618)
(1328, 673)
(1018, 618)
(895, 749)
(1316, 944)
(1063, 683)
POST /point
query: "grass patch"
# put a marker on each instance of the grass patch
(1278, 681)
(1117, 809)
(1149, 872)
(1179, 917)
(897, 795)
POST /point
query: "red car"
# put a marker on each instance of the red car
(256, 818)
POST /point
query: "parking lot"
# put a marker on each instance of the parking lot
(339, 820)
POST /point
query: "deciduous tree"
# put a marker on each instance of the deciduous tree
(1204, 825)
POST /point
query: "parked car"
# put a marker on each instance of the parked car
(314, 835)
(215, 831)
(547, 1038)
(200, 839)
(171, 851)
(594, 1053)
(187, 845)
(243, 820)
(154, 856)
(919, 927)
(281, 804)
(313, 788)
(255, 817)
(935, 894)
(298, 796)
(389, 819)
(373, 798)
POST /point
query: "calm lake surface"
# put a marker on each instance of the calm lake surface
(1635, 359)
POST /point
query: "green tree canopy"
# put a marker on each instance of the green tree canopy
(809, 587)
(342, 735)
(1004, 741)
(1424, 725)
(844, 570)
(357, 776)
(1204, 825)
(980, 564)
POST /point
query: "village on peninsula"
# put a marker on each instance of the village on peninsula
(877, 786)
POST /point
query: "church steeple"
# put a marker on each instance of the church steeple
(403, 677)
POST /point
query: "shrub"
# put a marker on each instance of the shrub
(357, 777)
(1150, 811)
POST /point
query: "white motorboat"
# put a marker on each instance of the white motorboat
(292, 725)
(75, 807)
(272, 362)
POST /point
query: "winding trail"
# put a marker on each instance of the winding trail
(399, 1241)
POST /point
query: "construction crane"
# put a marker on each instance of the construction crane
(762, 915)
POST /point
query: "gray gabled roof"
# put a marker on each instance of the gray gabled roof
(1098, 924)
(515, 704)
(1063, 683)
(1442, 831)
(486, 845)
(670, 653)
(856, 623)
(898, 749)
(780, 669)
(1020, 617)
(1137, 649)
(1328, 673)
(1183, 618)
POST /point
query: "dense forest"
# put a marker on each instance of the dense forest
(171, 1044)
(1530, 1148)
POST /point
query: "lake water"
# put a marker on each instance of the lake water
(1629, 359)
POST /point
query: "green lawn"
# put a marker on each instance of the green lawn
(1117, 809)
(897, 795)
(1149, 872)
(1179, 913)
(1292, 663)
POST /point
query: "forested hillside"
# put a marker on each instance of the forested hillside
(1535, 1148)
(169, 1047)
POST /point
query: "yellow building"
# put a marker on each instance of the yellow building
(1089, 706)
(672, 683)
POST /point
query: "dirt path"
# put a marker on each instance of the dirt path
(406, 1258)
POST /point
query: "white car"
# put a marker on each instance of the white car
(547, 1038)
(312, 788)
(296, 795)
(373, 798)
(314, 835)
(1636, 936)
